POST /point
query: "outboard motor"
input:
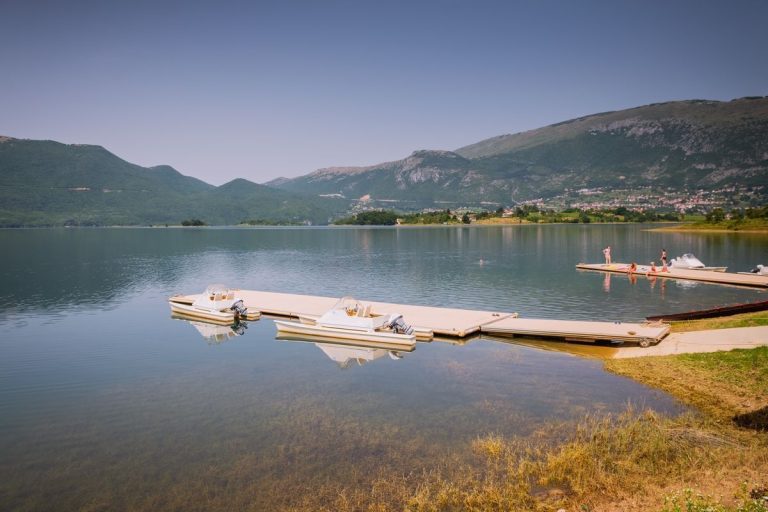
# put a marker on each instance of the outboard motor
(239, 308)
(398, 325)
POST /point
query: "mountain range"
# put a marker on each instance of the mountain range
(46, 183)
(673, 147)
(680, 146)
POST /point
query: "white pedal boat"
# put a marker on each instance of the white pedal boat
(351, 320)
(217, 304)
(420, 333)
(760, 270)
(690, 262)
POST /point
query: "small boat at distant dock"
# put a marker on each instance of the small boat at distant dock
(760, 270)
(690, 262)
(728, 278)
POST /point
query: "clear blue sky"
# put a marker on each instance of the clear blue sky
(258, 90)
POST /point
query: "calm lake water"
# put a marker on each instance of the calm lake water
(107, 403)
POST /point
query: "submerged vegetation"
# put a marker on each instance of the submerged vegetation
(629, 462)
(309, 454)
(634, 461)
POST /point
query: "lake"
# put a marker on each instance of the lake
(107, 403)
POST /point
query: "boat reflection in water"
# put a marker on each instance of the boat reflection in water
(214, 334)
(351, 353)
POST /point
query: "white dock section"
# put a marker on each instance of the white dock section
(457, 323)
(642, 334)
(752, 280)
(446, 321)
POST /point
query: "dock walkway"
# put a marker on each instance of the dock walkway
(574, 330)
(457, 323)
(751, 280)
(444, 321)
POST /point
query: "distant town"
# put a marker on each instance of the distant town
(599, 204)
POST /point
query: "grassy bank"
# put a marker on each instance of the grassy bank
(728, 226)
(743, 320)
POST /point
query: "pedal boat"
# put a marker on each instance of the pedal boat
(690, 262)
(760, 270)
(218, 304)
(421, 333)
(351, 320)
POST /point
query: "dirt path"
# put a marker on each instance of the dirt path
(701, 341)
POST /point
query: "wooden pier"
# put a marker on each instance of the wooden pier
(456, 323)
(729, 278)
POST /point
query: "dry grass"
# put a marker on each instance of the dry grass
(756, 319)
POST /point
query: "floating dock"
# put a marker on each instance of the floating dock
(456, 323)
(443, 321)
(730, 278)
(574, 330)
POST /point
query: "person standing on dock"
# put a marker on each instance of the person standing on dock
(607, 254)
(663, 257)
